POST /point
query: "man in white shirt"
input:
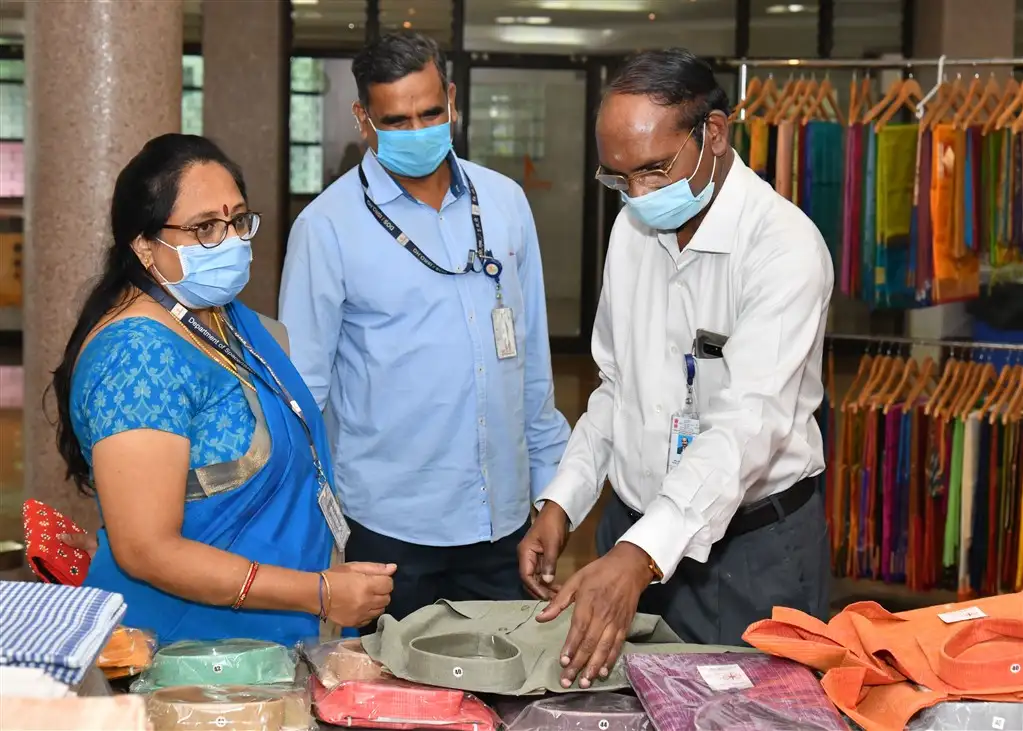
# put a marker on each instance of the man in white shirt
(709, 337)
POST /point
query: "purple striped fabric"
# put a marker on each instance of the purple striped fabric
(730, 692)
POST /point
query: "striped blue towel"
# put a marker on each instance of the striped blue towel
(59, 629)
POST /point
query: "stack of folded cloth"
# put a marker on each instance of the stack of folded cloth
(128, 653)
(599, 711)
(733, 692)
(882, 668)
(59, 629)
(352, 690)
(240, 708)
(224, 662)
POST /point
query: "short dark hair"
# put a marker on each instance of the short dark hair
(673, 77)
(393, 57)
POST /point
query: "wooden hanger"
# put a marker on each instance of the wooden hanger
(1013, 385)
(948, 374)
(1015, 409)
(893, 92)
(862, 372)
(922, 382)
(969, 99)
(960, 385)
(908, 372)
(752, 92)
(1006, 118)
(895, 371)
(825, 93)
(854, 100)
(798, 109)
(1008, 94)
(999, 394)
(988, 98)
(768, 93)
(865, 386)
(881, 368)
(937, 113)
(909, 96)
(987, 378)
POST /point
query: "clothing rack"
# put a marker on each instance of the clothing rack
(855, 64)
(926, 342)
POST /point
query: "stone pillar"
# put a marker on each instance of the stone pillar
(104, 77)
(957, 29)
(246, 49)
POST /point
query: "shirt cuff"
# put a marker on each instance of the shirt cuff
(540, 477)
(657, 533)
(572, 493)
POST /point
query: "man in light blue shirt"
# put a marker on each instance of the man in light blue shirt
(413, 294)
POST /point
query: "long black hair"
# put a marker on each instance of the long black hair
(144, 197)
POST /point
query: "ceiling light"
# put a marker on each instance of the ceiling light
(304, 2)
(351, 26)
(652, 16)
(792, 8)
(406, 24)
(411, 11)
(519, 20)
(596, 6)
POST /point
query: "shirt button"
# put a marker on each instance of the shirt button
(479, 369)
(678, 284)
(657, 408)
(646, 472)
(674, 350)
(472, 317)
(482, 421)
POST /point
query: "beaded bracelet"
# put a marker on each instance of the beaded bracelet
(244, 593)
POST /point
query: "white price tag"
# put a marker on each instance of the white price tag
(504, 333)
(962, 615)
(331, 510)
(724, 677)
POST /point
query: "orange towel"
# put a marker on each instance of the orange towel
(868, 654)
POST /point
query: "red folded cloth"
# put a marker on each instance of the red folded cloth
(398, 704)
(49, 558)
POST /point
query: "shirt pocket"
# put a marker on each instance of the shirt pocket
(710, 379)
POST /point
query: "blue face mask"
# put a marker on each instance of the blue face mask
(671, 207)
(414, 153)
(211, 277)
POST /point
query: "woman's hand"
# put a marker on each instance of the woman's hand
(359, 592)
(81, 541)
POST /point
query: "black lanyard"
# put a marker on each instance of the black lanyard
(191, 321)
(486, 261)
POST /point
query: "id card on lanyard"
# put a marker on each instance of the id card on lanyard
(685, 423)
(480, 259)
(325, 498)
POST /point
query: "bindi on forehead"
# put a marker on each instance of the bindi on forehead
(227, 210)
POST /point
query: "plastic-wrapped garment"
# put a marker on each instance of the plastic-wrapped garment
(959, 715)
(239, 708)
(128, 652)
(225, 662)
(119, 713)
(341, 661)
(577, 712)
(730, 693)
(390, 703)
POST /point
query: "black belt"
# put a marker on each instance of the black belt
(760, 514)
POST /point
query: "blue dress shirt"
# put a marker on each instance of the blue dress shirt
(436, 441)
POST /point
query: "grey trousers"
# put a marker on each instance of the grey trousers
(785, 564)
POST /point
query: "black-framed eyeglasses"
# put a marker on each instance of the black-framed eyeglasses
(212, 233)
(656, 178)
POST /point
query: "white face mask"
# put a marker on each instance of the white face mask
(210, 277)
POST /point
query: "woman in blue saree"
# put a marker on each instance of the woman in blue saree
(208, 482)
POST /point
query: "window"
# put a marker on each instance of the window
(508, 119)
(308, 86)
(12, 128)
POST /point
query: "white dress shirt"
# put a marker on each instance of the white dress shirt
(757, 271)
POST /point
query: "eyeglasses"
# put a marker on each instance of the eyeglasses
(211, 234)
(649, 179)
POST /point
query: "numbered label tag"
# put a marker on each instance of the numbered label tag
(331, 509)
(504, 333)
(684, 429)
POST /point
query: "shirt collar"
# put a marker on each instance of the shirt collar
(384, 189)
(717, 232)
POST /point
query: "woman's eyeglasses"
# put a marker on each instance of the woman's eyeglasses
(212, 233)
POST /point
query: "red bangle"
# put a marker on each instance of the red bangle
(244, 593)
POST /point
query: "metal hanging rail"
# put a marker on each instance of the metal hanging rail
(863, 63)
(926, 342)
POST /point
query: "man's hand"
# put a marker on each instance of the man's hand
(540, 549)
(606, 594)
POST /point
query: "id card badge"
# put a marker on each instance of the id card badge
(504, 332)
(331, 510)
(685, 424)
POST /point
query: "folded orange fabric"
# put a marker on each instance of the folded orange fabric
(128, 652)
(968, 650)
